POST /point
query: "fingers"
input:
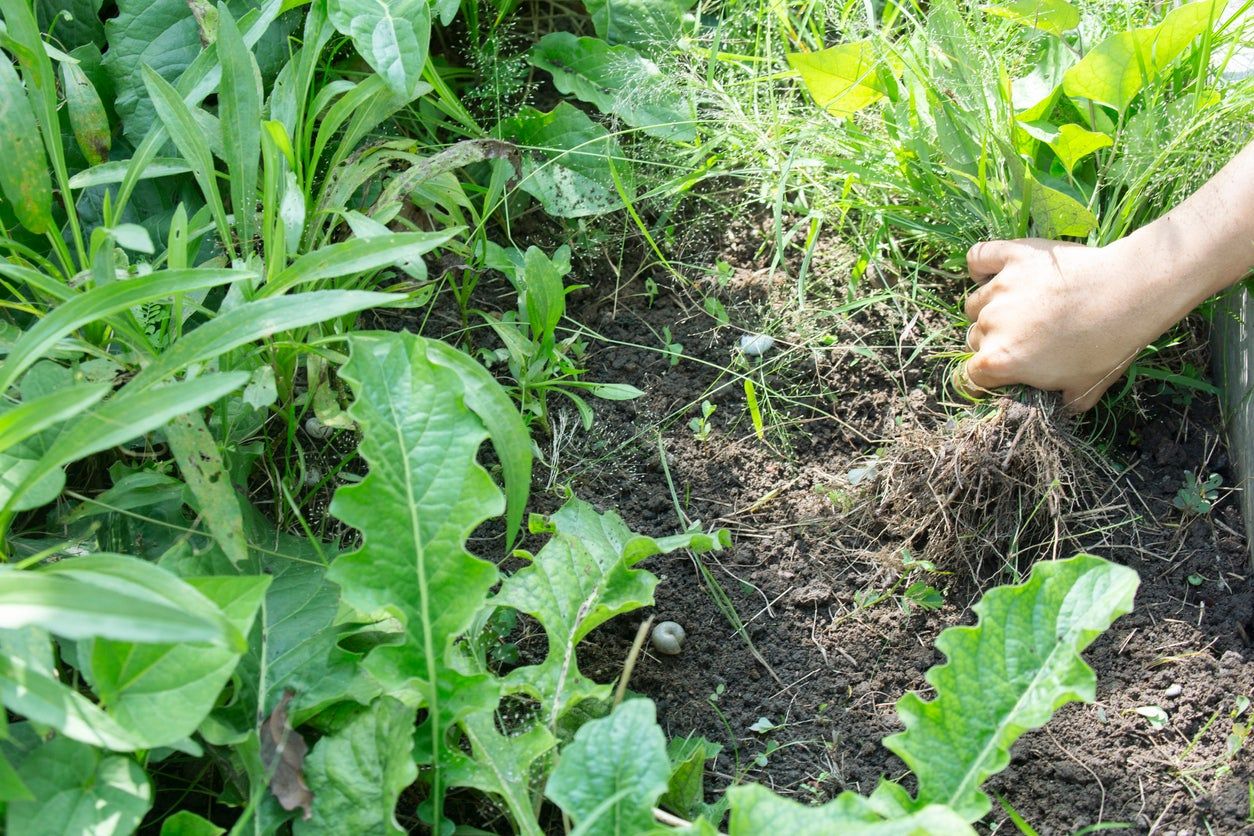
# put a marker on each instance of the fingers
(987, 258)
(974, 335)
(978, 376)
(978, 299)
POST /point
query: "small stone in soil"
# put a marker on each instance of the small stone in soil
(1230, 659)
(1173, 690)
(755, 345)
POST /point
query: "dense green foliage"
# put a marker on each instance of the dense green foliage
(205, 206)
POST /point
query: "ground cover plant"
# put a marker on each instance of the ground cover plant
(275, 271)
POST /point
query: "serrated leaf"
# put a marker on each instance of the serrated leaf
(1114, 71)
(757, 810)
(1007, 674)
(87, 115)
(568, 163)
(162, 692)
(845, 78)
(501, 765)
(79, 789)
(580, 579)
(651, 25)
(613, 772)
(1053, 16)
(423, 496)
(392, 35)
(357, 773)
(24, 178)
(618, 80)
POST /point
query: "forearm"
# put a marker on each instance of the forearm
(1203, 245)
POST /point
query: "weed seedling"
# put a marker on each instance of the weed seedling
(701, 426)
(1198, 496)
(673, 350)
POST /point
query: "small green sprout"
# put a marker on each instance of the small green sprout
(701, 426)
(1198, 496)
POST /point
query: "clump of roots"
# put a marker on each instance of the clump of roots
(992, 491)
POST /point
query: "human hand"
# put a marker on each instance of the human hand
(1061, 317)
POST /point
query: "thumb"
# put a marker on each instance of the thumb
(987, 258)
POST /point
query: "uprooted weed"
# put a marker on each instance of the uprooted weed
(996, 489)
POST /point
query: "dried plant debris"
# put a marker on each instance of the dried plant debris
(1009, 485)
(283, 752)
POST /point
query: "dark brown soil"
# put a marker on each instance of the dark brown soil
(834, 389)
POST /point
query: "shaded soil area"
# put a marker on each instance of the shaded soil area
(847, 374)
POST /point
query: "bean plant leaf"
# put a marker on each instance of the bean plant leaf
(1056, 213)
(844, 79)
(160, 34)
(650, 25)
(580, 579)
(79, 789)
(567, 166)
(357, 773)
(1114, 71)
(392, 35)
(24, 179)
(1007, 674)
(423, 496)
(1053, 16)
(755, 810)
(162, 692)
(613, 772)
(619, 81)
(1070, 142)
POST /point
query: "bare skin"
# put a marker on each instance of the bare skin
(1068, 318)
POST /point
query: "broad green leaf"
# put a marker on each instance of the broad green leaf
(425, 493)
(187, 823)
(1035, 94)
(114, 422)
(200, 463)
(544, 298)
(358, 255)
(613, 772)
(845, 78)
(756, 810)
(31, 418)
(1053, 16)
(1056, 213)
(685, 789)
(650, 25)
(109, 173)
(1007, 674)
(501, 765)
(1118, 68)
(567, 163)
(358, 772)
(239, 110)
(392, 35)
(1071, 143)
(79, 789)
(162, 692)
(100, 302)
(87, 115)
(24, 179)
(619, 81)
(77, 21)
(498, 412)
(254, 321)
(580, 579)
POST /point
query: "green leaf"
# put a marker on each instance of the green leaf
(392, 35)
(79, 789)
(423, 496)
(1118, 68)
(613, 772)
(1071, 143)
(1035, 94)
(498, 412)
(24, 178)
(567, 167)
(99, 303)
(1053, 16)
(11, 786)
(107, 174)
(357, 773)
(502, 765)
(356, 256)
(160, 34)
(162, 692)
(756, 810)
(845, 78)
(87, 115)
(685, 789)
(254, 321)
(33, 417)
(1056, 213)
(76, 610)
(200, 463)
(619, 81)
(187, 823)
(580, 579)
(77, 21)
(239, 110)
(652, 25)
(1007, 674)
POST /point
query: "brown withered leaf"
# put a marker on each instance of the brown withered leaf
(283, 752)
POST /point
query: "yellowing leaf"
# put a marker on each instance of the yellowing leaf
(843, 79)
(1114, 71)
(1070, 142)
(1056, 213)
(1054, 16)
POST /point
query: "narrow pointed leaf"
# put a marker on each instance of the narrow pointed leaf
(87, 115)
(31, 418)
(357, 255)
(239, 110)
(24, 178)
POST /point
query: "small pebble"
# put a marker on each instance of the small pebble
(1230, 659)
(1174, 690)
(755, 345)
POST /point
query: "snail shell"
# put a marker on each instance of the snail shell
(668, 637)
